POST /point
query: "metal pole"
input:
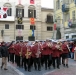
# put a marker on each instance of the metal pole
(62, 27)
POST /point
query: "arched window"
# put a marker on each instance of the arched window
(31, 11)
(9, 6)
(19, 11)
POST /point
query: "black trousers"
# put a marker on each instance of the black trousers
(17, 60)
(56, 61)
(37, 63)
(47, 61)
(27, 64)
(12, 57)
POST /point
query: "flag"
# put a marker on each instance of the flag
(31, 1)
(54, 26)
(3, 12)
(31, 33)
(32, 21)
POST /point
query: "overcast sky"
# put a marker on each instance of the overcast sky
(47, 3)
(44, 3)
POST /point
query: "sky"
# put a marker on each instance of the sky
(44, 3)
(47, 3)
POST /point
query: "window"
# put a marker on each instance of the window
(9, 12)
(74, 36)
(19, 12)
(31, 12)
(32, 27)
(19, 26)
(67, 37)
(49, 19)
(58, 4)
(49, 28)
(9, 6)
(6, 26)
(19, 38)
(73, 15)
(67, 17)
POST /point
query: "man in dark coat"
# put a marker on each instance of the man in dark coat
(5, 53)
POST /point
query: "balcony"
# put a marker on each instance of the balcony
(65, 7)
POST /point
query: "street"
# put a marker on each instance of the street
(14, 70)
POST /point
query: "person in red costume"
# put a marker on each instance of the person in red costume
(27, 56)
(46, 53)
(65, 54)
(12, 52)
(36, 55)
(56, 54)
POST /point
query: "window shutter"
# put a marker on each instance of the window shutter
(16, 12)
(10, 11)
(28, 13)
(34, 13)
(22, 12)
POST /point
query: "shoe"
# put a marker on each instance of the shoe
(67, 65)
(58, 67)
(49, 68)
(29, 70)
(64, 65)
(1, 67)
(39, 69)
(5, 69)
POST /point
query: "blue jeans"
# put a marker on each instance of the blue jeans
(72, 55)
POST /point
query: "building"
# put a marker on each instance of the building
(24, 21)
(47, 23)
(65, 18)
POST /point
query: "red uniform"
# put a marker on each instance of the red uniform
(56, 52)
(27, 51)
(36, 51)
(46, 50)
(65, 48)
(16, 49)
(12, 49)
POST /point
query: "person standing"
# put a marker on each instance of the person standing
(5, 53)
(65, 53)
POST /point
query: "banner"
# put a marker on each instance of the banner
(54, 26)
(32, 21)
(19, 32)
(32, 2)
(3, 12)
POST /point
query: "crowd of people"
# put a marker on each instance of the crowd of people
(38, 54)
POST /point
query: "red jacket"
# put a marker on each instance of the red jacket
(36, 51)
(46, 50)
(65, 48)
(12, 49)
(56, 52)
(27, 52)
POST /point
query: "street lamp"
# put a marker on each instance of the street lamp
(2, 32)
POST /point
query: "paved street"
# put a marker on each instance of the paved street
(14, 70)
